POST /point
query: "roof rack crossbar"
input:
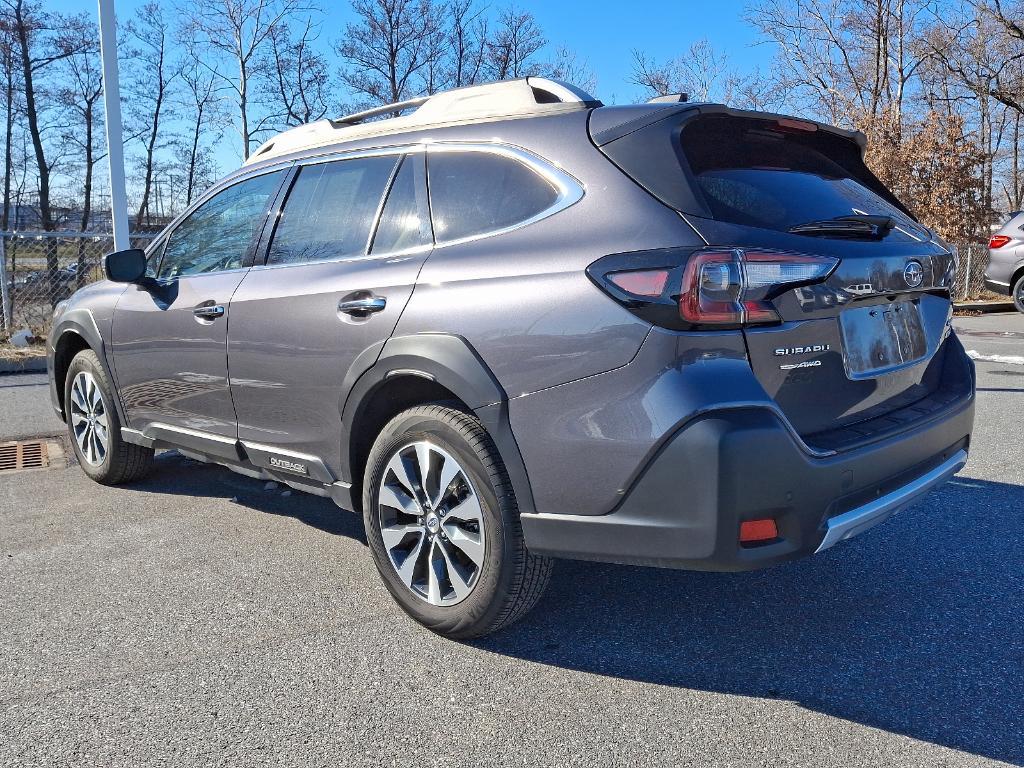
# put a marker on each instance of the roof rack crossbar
(387, 109)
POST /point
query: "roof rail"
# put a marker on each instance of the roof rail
(527, 96)
(670, 98)
(388, 109)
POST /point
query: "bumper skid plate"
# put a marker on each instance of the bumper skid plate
(849, 524)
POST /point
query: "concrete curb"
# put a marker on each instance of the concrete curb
(985, 306)
(27, 365)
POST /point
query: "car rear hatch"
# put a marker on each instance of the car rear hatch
(842, 296)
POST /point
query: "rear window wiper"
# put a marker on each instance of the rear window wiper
(854, 225)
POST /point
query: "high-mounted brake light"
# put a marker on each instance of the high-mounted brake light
(796, 125)
(998, 241)
(733, 287)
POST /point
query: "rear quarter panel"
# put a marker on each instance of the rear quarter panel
(522, 299)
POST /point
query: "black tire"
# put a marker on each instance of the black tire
(1018, 294)
(123, 462)
(510, 580)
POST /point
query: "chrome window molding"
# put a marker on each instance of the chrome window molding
(350, 258)
(568, 189)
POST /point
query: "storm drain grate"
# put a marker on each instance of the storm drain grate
(24, 454)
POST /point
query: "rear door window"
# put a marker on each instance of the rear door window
(330, 210)
(474, 193)
(754, 173)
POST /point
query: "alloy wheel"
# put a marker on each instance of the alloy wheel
(89, 423)
(431, 523)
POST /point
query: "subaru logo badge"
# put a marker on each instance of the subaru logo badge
(913, 274)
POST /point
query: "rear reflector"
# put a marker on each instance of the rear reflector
(641, 282)
(758, 531)
(998, 241)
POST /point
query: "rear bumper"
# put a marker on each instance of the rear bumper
(732, 465)
(999, 276)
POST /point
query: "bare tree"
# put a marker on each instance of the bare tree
(842, 59)
(41, 41)
(978, 50)
(567, 66)
(239, 31)
(701, 72)
(80, 96)
(8, 69)
(149, 35)
(299, 81)
(466, 42)
(388, 47)
(517, 41)
(201, 102)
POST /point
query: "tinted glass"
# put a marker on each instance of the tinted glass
(330, 210)
(476, 192)
(752, 172)
(400, 225)
(217, 235)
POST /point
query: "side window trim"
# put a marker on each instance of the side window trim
(250, 254)
(423, 198)
(568, 189)
(381, 203)
(418, 161)
(262, 251)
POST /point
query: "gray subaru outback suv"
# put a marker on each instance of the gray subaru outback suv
(512, 324)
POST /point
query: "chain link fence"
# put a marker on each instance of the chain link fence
(43, 268)
(40, 269)
(970, 273)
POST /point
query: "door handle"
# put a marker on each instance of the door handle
(210, 312)
(365, 306)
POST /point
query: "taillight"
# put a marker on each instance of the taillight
(709, 288)
(733, 287)
(998, 241)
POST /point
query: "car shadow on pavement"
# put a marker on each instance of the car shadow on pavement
(181, 476)
(914, 627)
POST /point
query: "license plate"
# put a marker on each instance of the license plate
(881, 338)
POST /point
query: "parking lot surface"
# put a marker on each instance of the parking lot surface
(199, 618)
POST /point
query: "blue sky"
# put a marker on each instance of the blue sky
(602, 33)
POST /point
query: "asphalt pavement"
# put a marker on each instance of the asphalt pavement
(199, 618)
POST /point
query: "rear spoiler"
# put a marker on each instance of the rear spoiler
(644, 141)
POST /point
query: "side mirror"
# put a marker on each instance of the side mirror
(128, 266)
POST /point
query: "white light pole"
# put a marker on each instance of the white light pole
(112, 105)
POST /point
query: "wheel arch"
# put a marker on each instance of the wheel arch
(417, 369)
(1018, 274)
(72, 336)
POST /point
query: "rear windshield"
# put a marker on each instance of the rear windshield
(755, 173)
